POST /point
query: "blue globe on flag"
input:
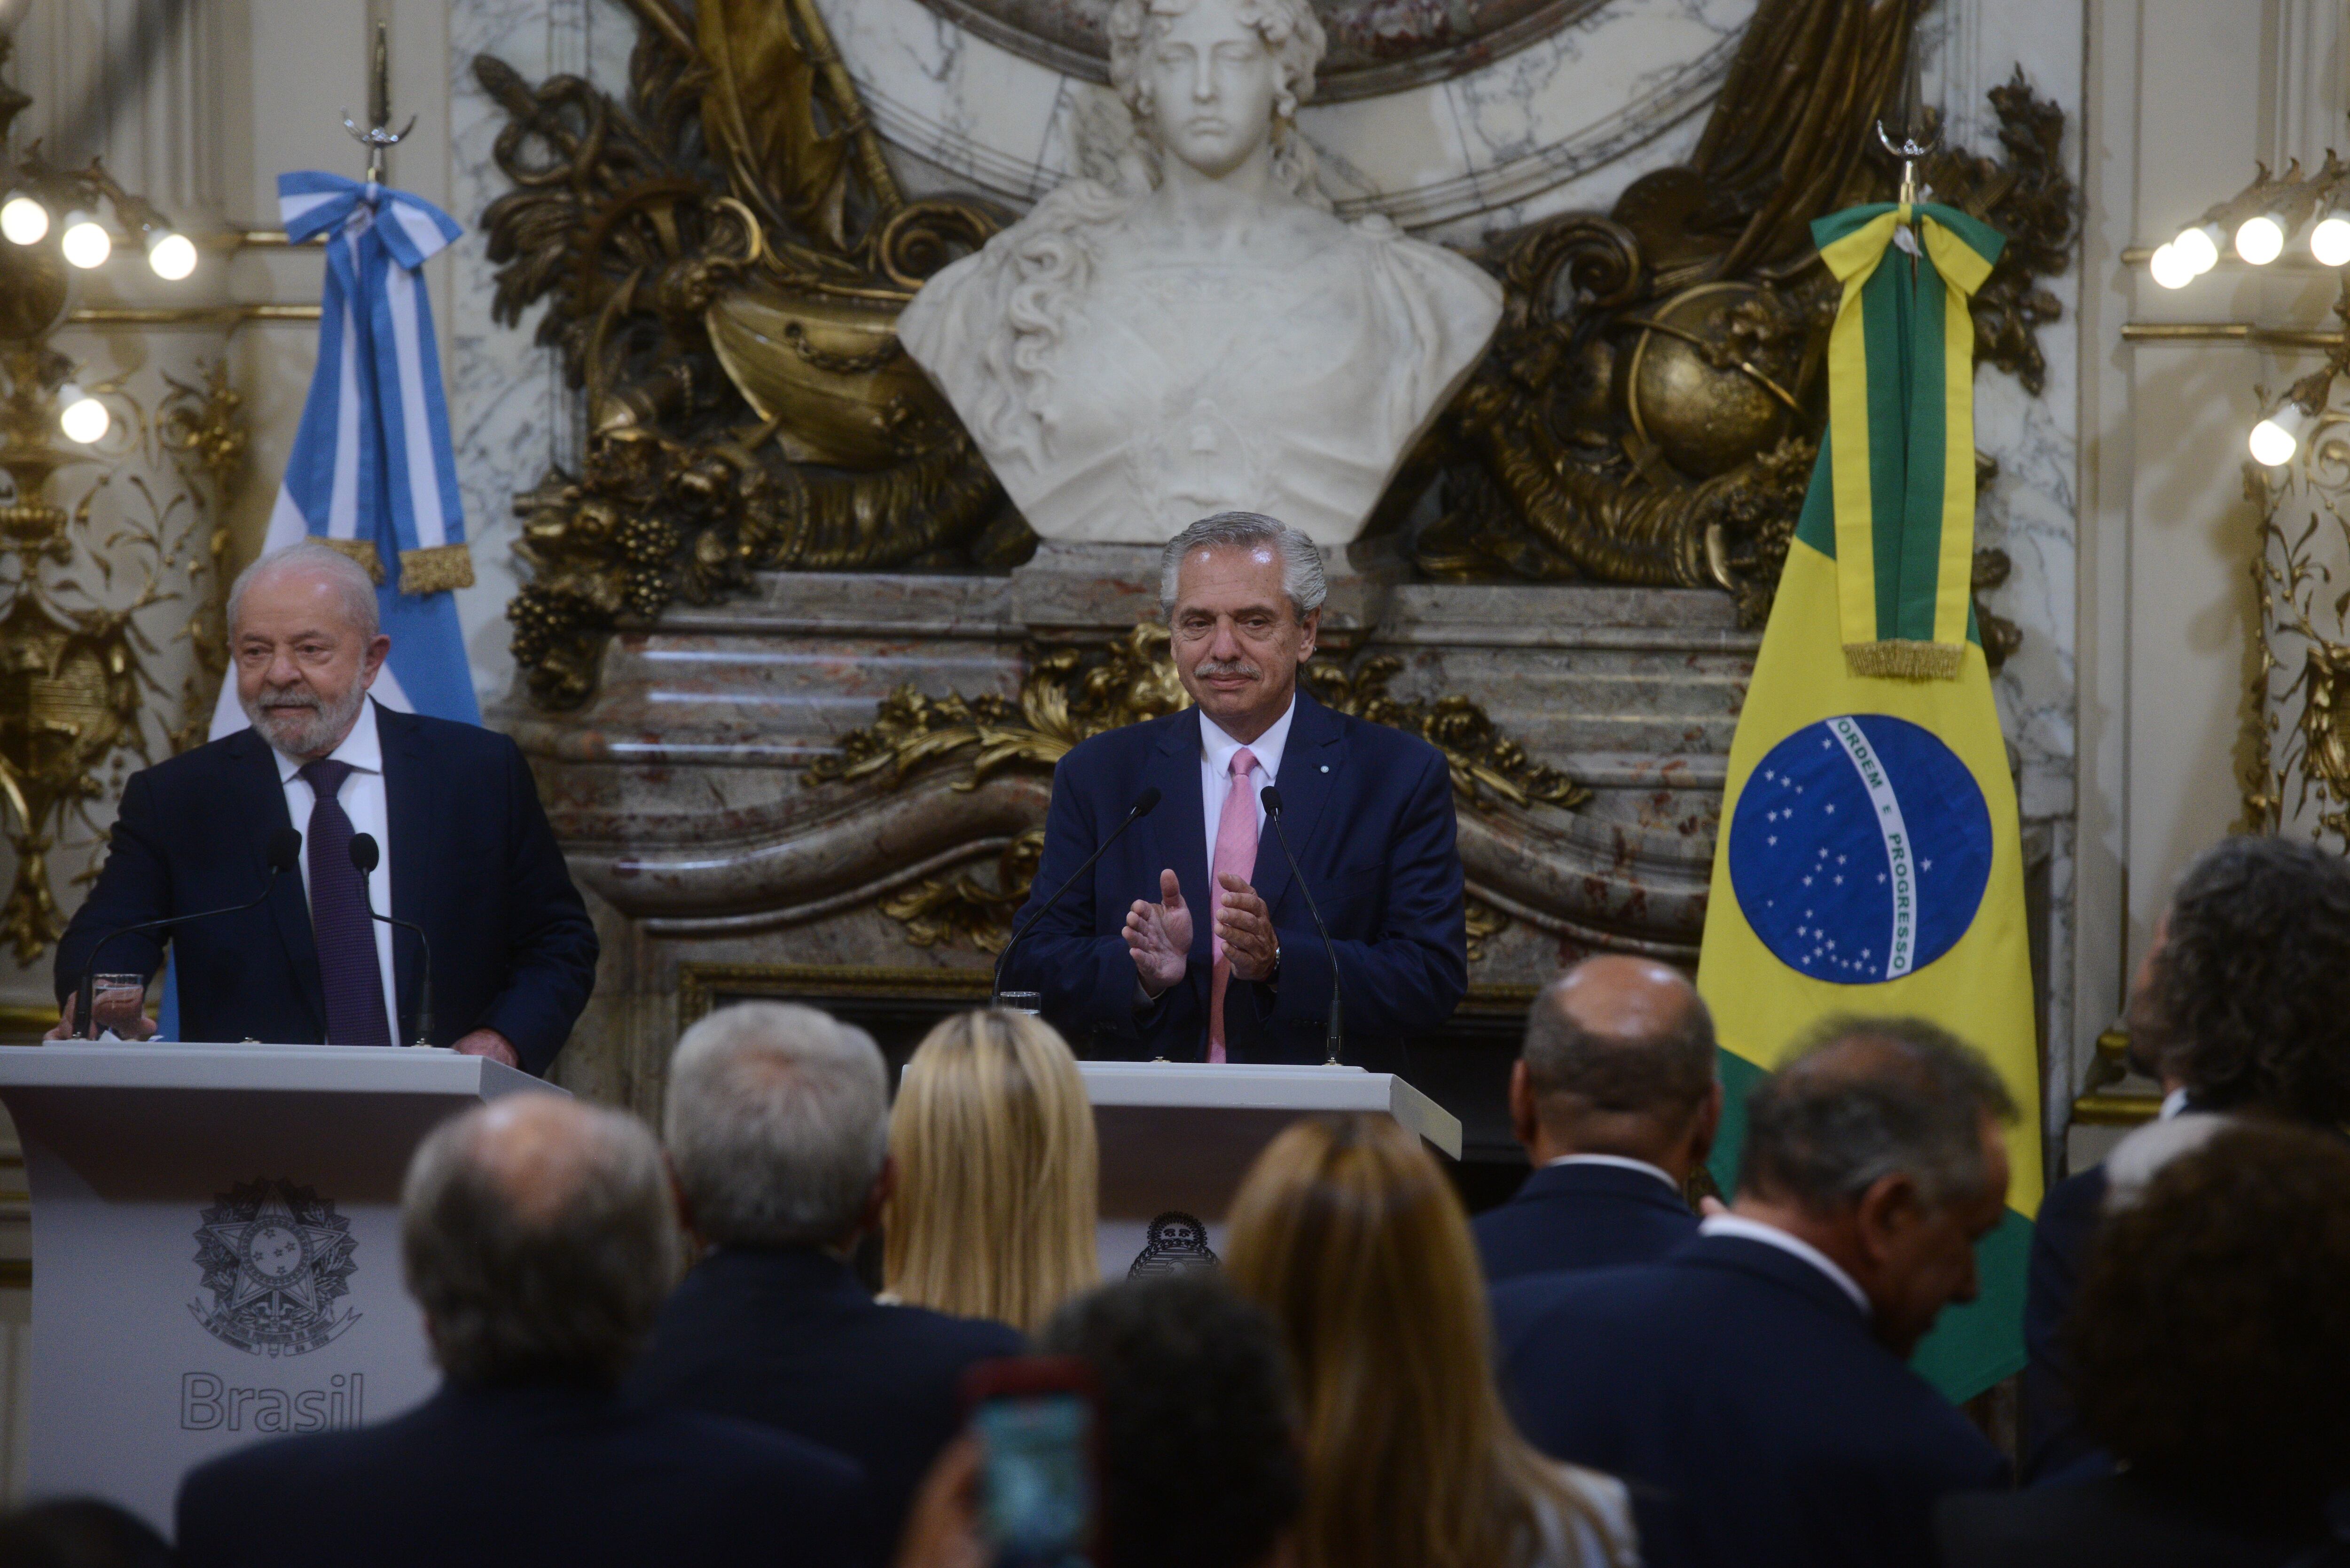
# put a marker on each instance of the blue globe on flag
(1860, 849)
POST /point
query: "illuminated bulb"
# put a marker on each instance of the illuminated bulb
(2260, 240)
(2170, 269)
(84, 418)
(2276, 437)
(87, 244)
(24, 221)
(173, 256)
(2329, 242)
(2199, 247)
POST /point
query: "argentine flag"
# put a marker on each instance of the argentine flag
(1870, 860)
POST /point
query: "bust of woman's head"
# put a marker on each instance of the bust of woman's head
(1210, 81)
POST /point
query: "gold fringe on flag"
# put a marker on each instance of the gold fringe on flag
(359, 550)
(436, 569)
(1905, 660)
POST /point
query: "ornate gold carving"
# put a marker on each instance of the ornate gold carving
(203, 429)
(1071, 694)
(1485, 923)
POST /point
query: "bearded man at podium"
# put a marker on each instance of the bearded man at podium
(307, 829)
(1146, 956)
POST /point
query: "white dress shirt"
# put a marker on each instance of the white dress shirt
(362, 799)
(1772, 1236)
(1622, 1161)
(1216, 749)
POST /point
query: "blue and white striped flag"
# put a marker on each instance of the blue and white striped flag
(373, 471)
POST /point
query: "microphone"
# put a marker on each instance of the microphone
(364, 856)
(1338, 1031)
(284, 854)
(1144, 805)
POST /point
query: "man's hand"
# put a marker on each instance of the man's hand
(1159, 936)
(1246, 927)
(131, 1026)
(488, 1043)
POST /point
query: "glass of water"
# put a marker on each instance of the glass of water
(117, 1001)
(1031, 1002)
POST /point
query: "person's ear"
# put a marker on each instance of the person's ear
(1312, 621)
(371, 661)
(1888, 1212)
(684, 1204)
(878, 1196)
(1526, 1120)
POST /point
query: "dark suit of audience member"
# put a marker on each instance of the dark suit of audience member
(1614, 1098)
(777, 1123)
(1753, 1389)
(2207, 1355)
(538, 1238)
(2242, 1001)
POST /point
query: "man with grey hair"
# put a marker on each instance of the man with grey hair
(538, 1239)
(462, 850)
(778, 1130)
(1189, 939)
(1752, 1388)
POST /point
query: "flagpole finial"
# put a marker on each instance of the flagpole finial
(378, 136)
(1909, 149)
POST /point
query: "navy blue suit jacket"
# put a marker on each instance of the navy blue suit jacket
(538, 1473)
(472, 861)
(1369, 811)
(1738, 1393)
(1582, 1217)
(2055, 1444)
(788, 1338)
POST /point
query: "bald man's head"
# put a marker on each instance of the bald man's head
(1618, 1058)
(539, 1239)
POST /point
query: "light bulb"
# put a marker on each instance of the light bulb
(2276, 437)
(84, 418)
(2170, 269)
(173, 256)
(23, 220)
(2199, 247)
(87, 244)
(2329, 242)
(2260, 240)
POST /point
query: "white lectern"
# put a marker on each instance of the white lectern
(216, 1247)
(1177, 1136)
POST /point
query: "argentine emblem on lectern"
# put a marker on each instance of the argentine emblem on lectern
(276, 1258)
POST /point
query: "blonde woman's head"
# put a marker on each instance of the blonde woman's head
(993, 1215)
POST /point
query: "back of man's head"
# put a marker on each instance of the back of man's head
(1620, 1055)
(539, 1237)
(2249, 999)
(1868, 1098)
(1199, 1450)
(777, 1123)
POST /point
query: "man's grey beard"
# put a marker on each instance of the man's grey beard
(302, 724)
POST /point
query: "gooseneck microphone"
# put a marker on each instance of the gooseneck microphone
(1336, 1035)
(284, 854)
(1144, 805)
(364, 856)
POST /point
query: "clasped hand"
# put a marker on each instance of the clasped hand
(1160, 934)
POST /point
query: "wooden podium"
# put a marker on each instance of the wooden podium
(1177, 1136)
(216, 1247)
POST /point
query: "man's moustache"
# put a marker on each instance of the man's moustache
(1251, 670)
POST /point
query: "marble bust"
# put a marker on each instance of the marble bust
(1194, 331)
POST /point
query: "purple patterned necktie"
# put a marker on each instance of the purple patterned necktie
(347, 956)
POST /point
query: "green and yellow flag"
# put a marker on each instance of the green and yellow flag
(1870, 859)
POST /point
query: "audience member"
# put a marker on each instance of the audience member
(993, 1215)
(1347, 1232)
(2208, 1348)
(1753, 1388)
(1614, 1098)
(2241, 1004)
(79, 1532)
(777, 1125)
(1197, 1443)
(538, 1238)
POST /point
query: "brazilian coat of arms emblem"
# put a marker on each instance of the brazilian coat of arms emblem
(276, 1260)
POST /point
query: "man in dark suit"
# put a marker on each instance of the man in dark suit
(538, 1238)
(2242, 1003)
(1615, 1098)
(1228, 967)
(777, 1125)
(1751, 1389)
(464, 851)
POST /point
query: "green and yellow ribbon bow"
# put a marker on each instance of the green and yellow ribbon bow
(1901, 427)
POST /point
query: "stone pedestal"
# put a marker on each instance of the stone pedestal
(722, 867)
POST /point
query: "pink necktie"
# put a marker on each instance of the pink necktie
(1235, 856)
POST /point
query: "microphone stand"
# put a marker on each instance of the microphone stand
(1335, 1035)
(1144, 804)
(364, 856)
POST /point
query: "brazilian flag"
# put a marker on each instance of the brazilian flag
(1870, 860)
